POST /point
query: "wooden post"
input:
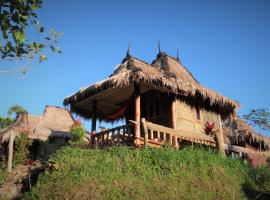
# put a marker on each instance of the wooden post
(173, 118)
(94, 120)
(145, 132)
(137, 131)
(10, 150)
(220, 138)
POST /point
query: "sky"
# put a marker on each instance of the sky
(225, 45)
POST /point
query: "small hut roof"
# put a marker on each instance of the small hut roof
(55, 122)
(239, 131)
(165, 74)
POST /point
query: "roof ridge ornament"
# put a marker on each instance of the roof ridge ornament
(177, 54)
(128, 50)
(159, 50)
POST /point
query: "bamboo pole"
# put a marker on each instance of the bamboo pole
(94, 120)
(137, 130)
(173, 118)
(10, 150)
(220, 138)
(94, 116)
(145, 132)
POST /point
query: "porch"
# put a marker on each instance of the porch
(152, 135)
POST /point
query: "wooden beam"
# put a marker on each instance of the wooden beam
(145, 130)
(173, 122)
(94, 116)
(137, 129)
(220, 138)
(181, 134)
(232, 148)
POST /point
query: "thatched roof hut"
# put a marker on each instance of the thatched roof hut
(55, 122)
(165, 74)
(238, 132)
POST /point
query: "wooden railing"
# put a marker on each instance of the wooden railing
(232, 148)
(155, 134)
(120, 134)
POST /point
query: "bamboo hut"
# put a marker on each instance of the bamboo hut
(238, 132)
(53, 125)
(55, 122)
(161, 102)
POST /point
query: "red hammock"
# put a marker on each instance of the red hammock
(117, 114)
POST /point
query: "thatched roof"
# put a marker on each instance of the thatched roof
(238, 131)
(165, 73)
(55, 122)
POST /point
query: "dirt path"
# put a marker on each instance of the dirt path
(12, 187)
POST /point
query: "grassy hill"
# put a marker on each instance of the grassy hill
(124, 173)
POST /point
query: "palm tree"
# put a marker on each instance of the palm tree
(17, 109)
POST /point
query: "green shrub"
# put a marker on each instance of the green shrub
(77, 132)
(259, 186)
(21, 152)
(3, 172)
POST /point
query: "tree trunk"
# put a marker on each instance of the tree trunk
(10, 150)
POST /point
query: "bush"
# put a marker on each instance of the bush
(21, 152)
(77, 131)
(259, 187)
(3, 172)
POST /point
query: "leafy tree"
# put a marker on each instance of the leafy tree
(259, 117)
(5, 122)
(15, 17)
(17, 109)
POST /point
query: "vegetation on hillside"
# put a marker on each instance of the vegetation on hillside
(77, 131)
(125, 173)
(3, 172)
(21, 152)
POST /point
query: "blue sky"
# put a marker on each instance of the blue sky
(225, 44)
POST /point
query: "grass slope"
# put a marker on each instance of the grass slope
(123, 173)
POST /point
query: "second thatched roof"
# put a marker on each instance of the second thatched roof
(55, 122)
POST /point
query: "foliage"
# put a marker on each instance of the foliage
(260, 187)
(259, 117)
(3, 172)
(31, 164)
(16, 17)
(21, 145)
(125, 173)
(77, 131)
(17, 109)
(5, 122)
(209, 129)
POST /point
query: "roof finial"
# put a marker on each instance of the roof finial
(177, 55)
(159, 51)
(128, 50)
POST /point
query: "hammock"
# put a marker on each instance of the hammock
(117, 114)
(120, 112)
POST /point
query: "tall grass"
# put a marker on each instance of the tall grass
(124, 173)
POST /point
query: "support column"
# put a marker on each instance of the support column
(137, 129)
(173, 122)
(220, 138)
(94, 116)
(94, 120)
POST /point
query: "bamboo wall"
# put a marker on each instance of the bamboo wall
(186, 117)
